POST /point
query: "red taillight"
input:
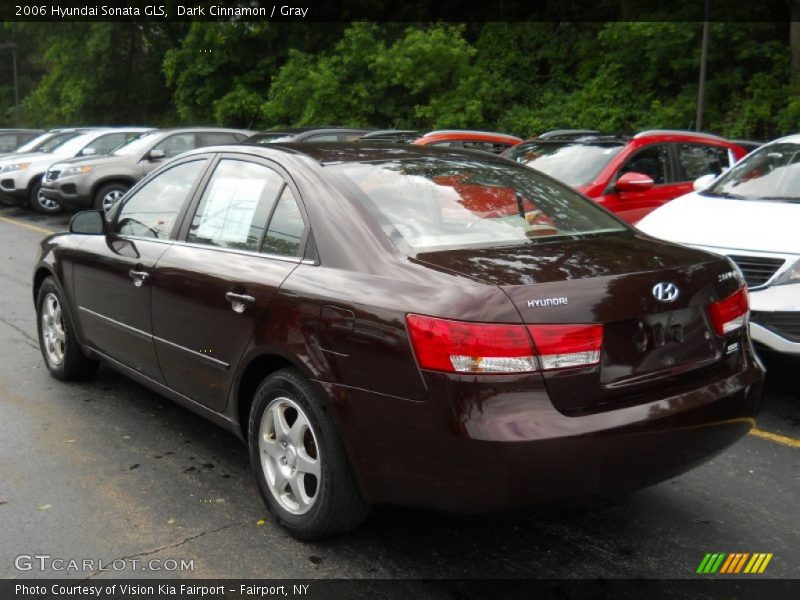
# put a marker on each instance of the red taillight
(560, 346)
(461, 347)
(729, 314)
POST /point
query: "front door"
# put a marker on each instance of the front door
(653, 161)
(113, 274)
(212, 290)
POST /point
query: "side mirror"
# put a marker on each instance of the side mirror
(88, 151)
(634, 182)
(703, 182)
(88, 222)
(156, 154)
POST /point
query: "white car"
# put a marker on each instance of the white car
(751, 213)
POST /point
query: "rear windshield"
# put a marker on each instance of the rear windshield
(431, 204)
(572, 163)
(770, 173)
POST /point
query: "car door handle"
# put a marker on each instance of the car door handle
(239, 302)
(139, 277)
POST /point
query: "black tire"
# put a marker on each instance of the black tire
(106, 190)
(41, 204)
(75, 365)
(338, 506)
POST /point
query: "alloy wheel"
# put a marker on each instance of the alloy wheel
(290, 456)
(110, 199)
(53, 333)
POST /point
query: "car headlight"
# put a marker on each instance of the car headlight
(791, 275)
(70, 171)
(15, 167)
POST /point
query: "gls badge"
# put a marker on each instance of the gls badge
(665, 292)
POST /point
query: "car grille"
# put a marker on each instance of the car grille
(757, 270)
(785, 324)
(51, 175)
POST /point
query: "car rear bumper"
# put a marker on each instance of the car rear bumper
(69, 192)
(476, 452)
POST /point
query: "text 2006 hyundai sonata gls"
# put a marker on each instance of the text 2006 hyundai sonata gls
(425, 327)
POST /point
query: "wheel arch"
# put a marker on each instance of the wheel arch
(258, 368)
(42, 272)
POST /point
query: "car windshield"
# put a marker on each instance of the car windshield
(770, 173)
(570, 162)
(47, 142)
(138, 144)
(435, 204)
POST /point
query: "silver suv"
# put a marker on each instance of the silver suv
(21, 174)
(98, 182)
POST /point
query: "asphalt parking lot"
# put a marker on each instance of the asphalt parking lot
(106, 470)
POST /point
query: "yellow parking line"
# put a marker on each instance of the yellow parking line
(27, 225)
(775, 437)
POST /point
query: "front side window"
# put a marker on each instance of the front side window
(697, 160)
(770, 173)
(572, 163)
(153, 210)
(323, 137)
(176, 144)
(236, 205)
(653, 161)
(429, 204)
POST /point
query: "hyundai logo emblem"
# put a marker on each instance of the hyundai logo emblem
(666, 292)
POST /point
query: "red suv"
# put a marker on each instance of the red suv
(629, 176)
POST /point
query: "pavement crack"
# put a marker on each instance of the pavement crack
(191, 538)
(21, 331)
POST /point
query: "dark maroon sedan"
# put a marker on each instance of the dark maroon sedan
(405, 325)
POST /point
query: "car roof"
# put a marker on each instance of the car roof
(21, 131)
(326, 153)
(791, 139)
(469, 134)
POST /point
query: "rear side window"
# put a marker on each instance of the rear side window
(323, 137)
(8, 142)
(286, 227)
(215, 138)
(697, 160)
(236, 205)
(176, 144)
(153, 210)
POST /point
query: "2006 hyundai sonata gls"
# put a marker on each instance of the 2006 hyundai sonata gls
(414, 326)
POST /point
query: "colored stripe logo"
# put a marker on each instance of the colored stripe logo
(735, 562)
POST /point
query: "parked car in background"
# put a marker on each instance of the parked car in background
(629, 176)
(21, 174)
(306, 134)
(750, 214)
(12, 139)
(98, 182)
(376, 341)
(473, 140)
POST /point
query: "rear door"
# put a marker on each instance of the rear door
(214, 288)
(113, 274)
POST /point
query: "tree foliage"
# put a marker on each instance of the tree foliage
(522, 77)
